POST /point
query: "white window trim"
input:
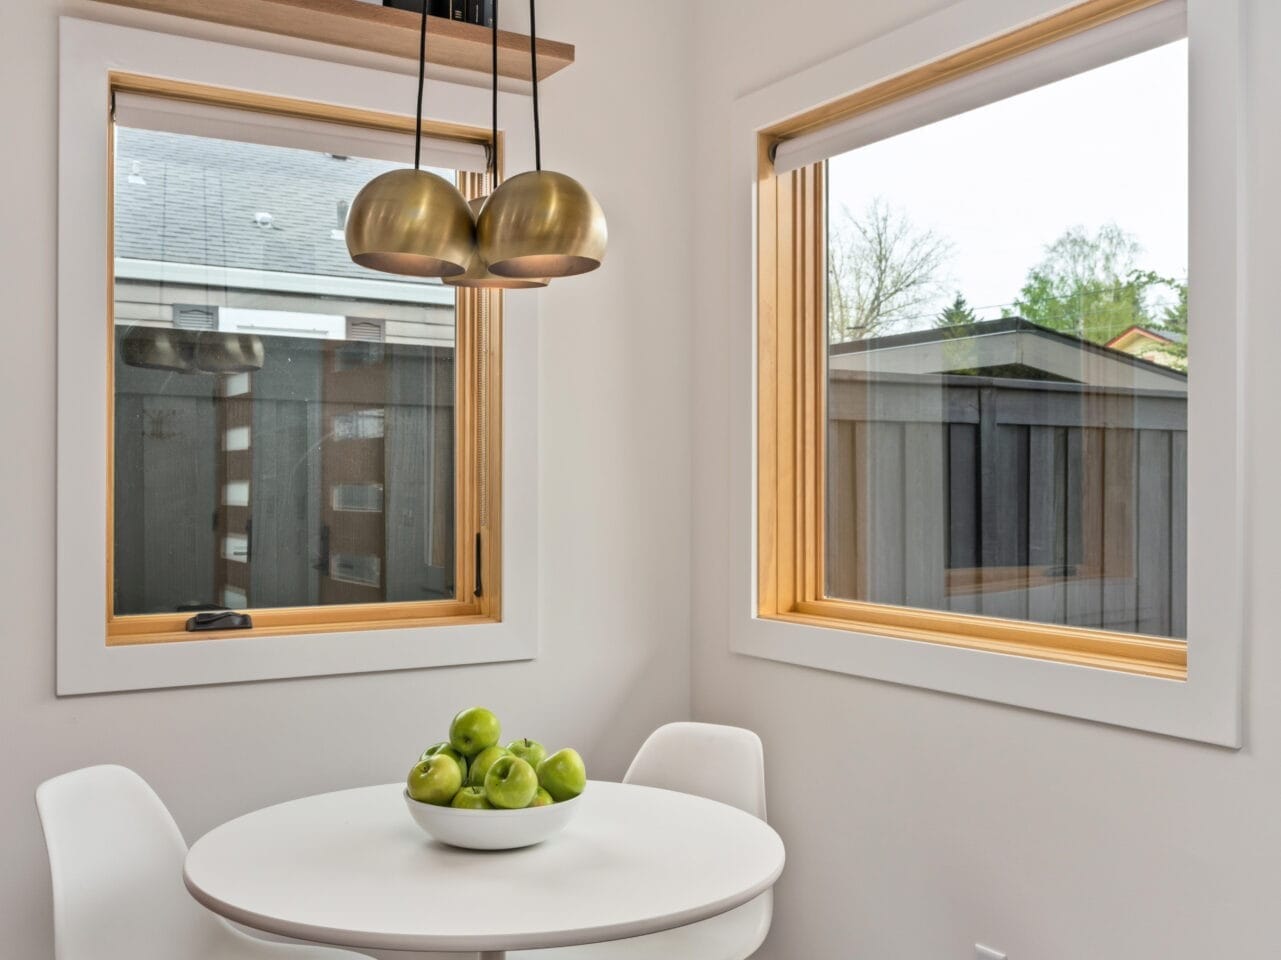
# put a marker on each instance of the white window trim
(85, 664)
(1148, 28)
(1205, 707)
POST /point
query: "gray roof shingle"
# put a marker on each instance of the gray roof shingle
(200, 196)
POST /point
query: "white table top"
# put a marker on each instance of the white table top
(352, 869)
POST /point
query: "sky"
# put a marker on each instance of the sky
(1003, 181)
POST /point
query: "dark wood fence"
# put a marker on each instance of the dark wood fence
(1034, 500)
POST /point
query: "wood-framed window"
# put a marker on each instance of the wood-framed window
(989, 480)
(289, 435)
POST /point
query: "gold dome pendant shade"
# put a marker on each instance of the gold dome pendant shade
(541, 224)
(412, 222)
(477, 275)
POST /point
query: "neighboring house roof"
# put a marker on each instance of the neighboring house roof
(1150, 345)
(1007, 348)
(1160, 347)
(1141, 337)
(198, 199)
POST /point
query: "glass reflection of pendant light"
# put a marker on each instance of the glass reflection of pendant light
(186, 351)
(229, 352)
(412, 222)
(541, 223)
(159, 348)
(477, 274)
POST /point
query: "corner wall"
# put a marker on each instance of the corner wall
(614, 479)
(919, 823)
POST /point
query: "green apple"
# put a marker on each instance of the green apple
(541, 799)
(444, 748)
(511, 783)
(435, 780)
(472, 798)
(473, 730)
(563, 775)
(481, 763)
(531, 751)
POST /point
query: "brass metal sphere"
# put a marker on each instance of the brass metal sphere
(411, 222)
(541, 224)
(477, 275)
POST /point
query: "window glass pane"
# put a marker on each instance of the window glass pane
(284, 419)
(1008, 361)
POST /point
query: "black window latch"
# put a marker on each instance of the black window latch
(220, 620)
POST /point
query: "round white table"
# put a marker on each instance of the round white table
(351, 869)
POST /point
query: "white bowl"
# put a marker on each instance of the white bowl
(491, 829)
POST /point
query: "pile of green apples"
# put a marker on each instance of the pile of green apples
(470, 770)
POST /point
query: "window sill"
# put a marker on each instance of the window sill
(1148, 657)
(122, 634)
(87, 665)
(1191, 709)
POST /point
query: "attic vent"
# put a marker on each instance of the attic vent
(190, 316)
(369, 331)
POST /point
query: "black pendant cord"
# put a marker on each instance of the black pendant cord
(533, 73)
(493, 113)
(422, 73)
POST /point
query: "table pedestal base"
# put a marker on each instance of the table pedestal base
(493, 955)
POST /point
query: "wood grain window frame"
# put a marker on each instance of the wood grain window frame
(478, 406)
(791, 393)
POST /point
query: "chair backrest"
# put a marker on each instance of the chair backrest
(705, 759)
(116, 855)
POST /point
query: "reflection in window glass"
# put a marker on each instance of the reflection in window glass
(284, 419)
(1008, 361)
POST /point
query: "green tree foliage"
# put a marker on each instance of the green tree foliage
(1088, 284)
(881, 271)
(956, 315)
(1082, 285)
(1174, 324)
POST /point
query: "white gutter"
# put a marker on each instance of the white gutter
(278, 281)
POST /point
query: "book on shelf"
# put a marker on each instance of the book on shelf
(435, 8)
(480, 12)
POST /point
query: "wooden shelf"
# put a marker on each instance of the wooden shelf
(365, 26)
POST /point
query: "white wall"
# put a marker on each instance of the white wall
(615, 474)
(918, 823)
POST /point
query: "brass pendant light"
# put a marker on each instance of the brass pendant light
(412, 221)
(541, 223)
(477, 275)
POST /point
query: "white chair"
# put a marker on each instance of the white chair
(721, 763)
(115, 855)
